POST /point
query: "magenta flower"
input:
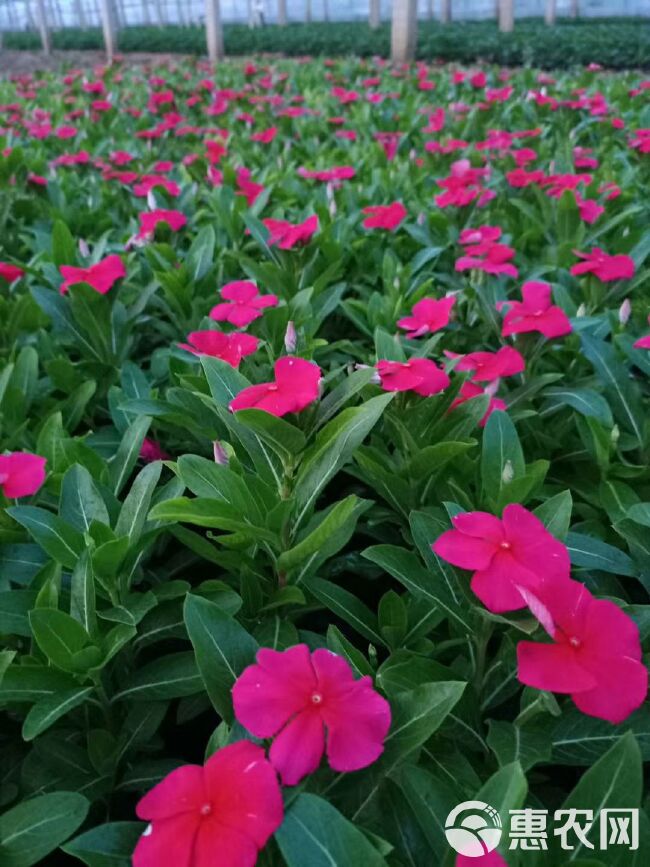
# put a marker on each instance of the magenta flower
(21, 474)
(420, 375)
(298, 697)
(150, 219)
(491, 859)
(428, 315)
(10, 272)
(470, 390)
(643, 342)
(243, 304)
(384, 216)
(595, 656)
(152, 451)
(606, 268)
(505, 555)
(295, 386)
(488, 366)
(100, 276)
(228, 347)
(225, 810)
(287, 235)
(337, 173)
(490, 258)
(534, 313)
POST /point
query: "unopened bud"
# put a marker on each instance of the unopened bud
(421, 218)
(83, 248)
(508, 473)
(581, 311)
(290, 337)
(615, 435)
(151, 200)
(220, 454)
(624, 312)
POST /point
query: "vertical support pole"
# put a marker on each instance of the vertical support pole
(214, 31)
(43, 28)
(506, 16)
(550, 12)
(403, 30)
(445, 11)
(282, 13)
(374, 14)
(109, 28)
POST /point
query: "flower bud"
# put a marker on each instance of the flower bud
(83, 248)
(290, 337)
(624, 312)
(220, 454)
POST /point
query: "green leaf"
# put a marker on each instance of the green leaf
(48, 710)
(555, 514)
(335, 518)
(222, 648)
(30, 683)
(334, 446)
(224, 380)
(128, 452)
(169, 676)
(578, 739)
(15, 606)
(285, 439)
(586, 401)
(431, 584)
(109, 845)
(614, 782)
(62, 639)
(346, 606)
(622, 391)
(81, 503)
(200, 256)
(64, 249)
(502, 458)
(61, 541)
(511, 743)
(591, 553)
(209, 513)
(133, 514)
(34, 828)
(82, 594)
(315, 834)
(205, 478)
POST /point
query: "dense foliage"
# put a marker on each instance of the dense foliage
(616, 43)
(181, 514)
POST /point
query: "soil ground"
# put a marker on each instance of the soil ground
(19, 62)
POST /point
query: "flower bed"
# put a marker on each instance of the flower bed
(323, 404)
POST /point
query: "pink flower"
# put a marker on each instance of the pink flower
(534, 313)
(337, 173)
(229, 347)
(420, 375)
(492, 859)
(287, 235)
(226, 809)
(295, 386)
(595, 657)
(265, 136)
(606, 268)
(245, 304)
(297, 697)
(482, 235)
(150, 219)
(505, 555)
(643, 342)
(10, 272)
(588, 209)
(428, 315)
(21, 474)
(247, 188)
(384, 216)
(488, 366)
(490, 258)
(470, 390)
(436, 121)
(100, 276)
(152, 451)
